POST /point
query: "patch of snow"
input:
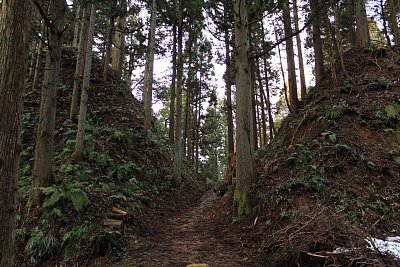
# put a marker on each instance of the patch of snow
(389, 246)
(341, 250)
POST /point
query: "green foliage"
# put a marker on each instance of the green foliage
(124, 139)
(126, 170)
(392, 111)
(339, 109)
(314, 183)
(74, 239)
(89, 148)
(221, 187)
(67, 150)
(288, 214)
(330, 135)
(382, 84)
(41, 245)
(111, 241)
(367, 159)
(25, 170)
(104, 160)
(345, 203)
(368, 50)
(67, 168)
(213, 138)
(71, 191)
(346, 87)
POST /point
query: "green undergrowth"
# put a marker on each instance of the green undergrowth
(123, 167)
(337, 158)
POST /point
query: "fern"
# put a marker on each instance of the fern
(73, 239)
(72, 192)
(54, 195)
(79, 199)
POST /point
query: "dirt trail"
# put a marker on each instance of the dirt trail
(184, 239)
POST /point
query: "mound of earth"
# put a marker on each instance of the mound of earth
(124, 168)
(330, 180)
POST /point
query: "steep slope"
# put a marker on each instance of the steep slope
(124, 168)
(331, 178)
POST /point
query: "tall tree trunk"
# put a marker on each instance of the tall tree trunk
(192, 144)
(197, 143)
(177, 173)
(108, 47)
(285, 91)
(245, 166)
(14, 43)
(259, 121)
(38, 64)
(293, 99)
(317, 41)
(303, 89)
(78, 22)
(228, 82)
(331, 55)
(339, 40)
(253, 89)
(190, 43)
(131, 63)
(80, 63)
(362, 34)
(253, 106)
(272, 131)
(393, 22)
(35, 47)
(80, 133)
(189, 101)
(148, 74)
(384, 23)
(263, 117)
(171, 130)
(43, 165)
(118, 52)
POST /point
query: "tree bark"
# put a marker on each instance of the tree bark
(317, 42)
(339, 41)
(384, 23)
(80, 133)
(14, 44)
(282, 73)
(171, 130)
(362, 34)
(177, 172)
(38, 65)
(245, 166)
(80, 64)
(393, 22)
(148, 74)
(187, 139)
(228, 82)
(331, 55)
(43, 165)
(267, 97)
(293, 98)
(263, 136)
(303, 89)
(118, 54)
(108, 47)
(78, 19)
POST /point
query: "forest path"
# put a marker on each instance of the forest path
(183, 239)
